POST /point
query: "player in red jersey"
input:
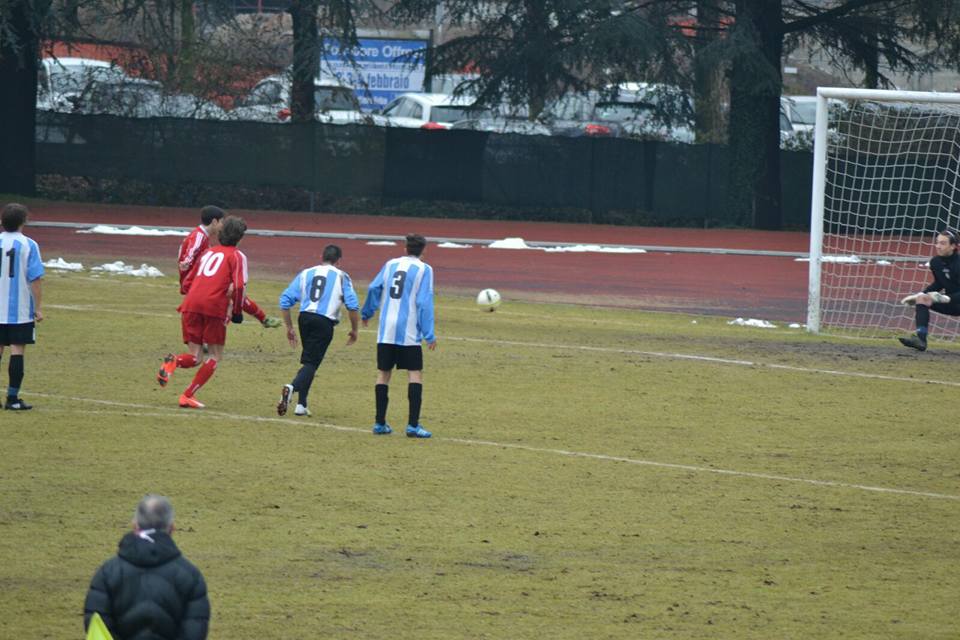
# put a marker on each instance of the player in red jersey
(196, 244)
(216, 289)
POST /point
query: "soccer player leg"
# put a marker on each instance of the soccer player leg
(316, 334)
(191, 326)
(15, 370)
(918, 340)
(214, 335)
(386, 360)
(411, 359)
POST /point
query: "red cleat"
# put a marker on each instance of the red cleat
(166, 369)
(189, 402)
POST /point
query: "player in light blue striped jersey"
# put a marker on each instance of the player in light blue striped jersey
(321, 291)
(21, 271)
(403, 291)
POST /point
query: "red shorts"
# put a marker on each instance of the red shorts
(203, 329)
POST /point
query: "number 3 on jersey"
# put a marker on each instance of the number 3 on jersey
(396, 289)
(210, 263)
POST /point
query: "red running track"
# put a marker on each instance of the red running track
(772, 288)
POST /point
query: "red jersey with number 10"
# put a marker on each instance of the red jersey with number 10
(191, 248)
(215, 287)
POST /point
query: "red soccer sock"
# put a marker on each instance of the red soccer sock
(186, 361)
(205, 373)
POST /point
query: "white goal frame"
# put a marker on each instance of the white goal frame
(821, 142)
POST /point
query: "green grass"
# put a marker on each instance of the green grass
(314, 528)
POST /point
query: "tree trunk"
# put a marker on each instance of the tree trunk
(186, 67)
(306, 58)
(755, 84)
(536, 24)
(871, 77)
(19, 53)
(707, 77)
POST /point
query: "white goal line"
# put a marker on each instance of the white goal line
(152, 411)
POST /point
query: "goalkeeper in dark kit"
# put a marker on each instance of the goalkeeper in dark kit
(942, 295)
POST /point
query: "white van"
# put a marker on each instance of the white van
(61, 81)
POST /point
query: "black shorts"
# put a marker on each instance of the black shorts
(952, 309)
(17, 334)
(316, 333)
(395, 355)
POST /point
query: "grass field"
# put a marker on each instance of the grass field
(585, 480)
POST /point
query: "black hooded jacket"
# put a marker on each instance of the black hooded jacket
(946, 275)
(149, 591)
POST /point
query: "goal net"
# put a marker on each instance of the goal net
(886, 178)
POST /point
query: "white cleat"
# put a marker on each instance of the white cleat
(301, 410)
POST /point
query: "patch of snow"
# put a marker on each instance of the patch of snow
(509, 243)
(836, 259)
(454, 245)
(884, 263)
(118, 267)
(131, 231)
(593, 248)
(753, 322)
(382, 243)
(62, 265)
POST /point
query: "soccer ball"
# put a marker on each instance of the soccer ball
(488, 299)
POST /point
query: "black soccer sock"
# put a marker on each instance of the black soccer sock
(382, 401)
(303, 381)
(415, 396)
(16, 376)
(923, 319)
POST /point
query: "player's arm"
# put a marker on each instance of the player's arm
(238, 287)
(374, 292)
(425, 310)
(290, 297)
(35, 272)
(352, 303)
(37, 290)
(190, 251)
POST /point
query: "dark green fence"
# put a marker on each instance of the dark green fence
(666, 183)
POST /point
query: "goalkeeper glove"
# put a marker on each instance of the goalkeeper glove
(911, 299)
(940, 298)
(270, 322)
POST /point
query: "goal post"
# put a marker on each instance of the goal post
(886, 177)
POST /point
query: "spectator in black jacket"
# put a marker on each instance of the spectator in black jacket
(942, 295)
(149, 591)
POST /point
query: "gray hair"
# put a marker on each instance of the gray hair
(154, 512)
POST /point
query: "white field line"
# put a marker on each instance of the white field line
(98, 309)
(151, 411)
(712, 359)
(631, 352)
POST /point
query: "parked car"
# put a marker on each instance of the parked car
(61, 81)
(572, 116)
(270, 101)
(140, 98)
(647, 110)
(431, 111)
(502, 125)
(801, 111)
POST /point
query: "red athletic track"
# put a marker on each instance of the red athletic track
(772, 288)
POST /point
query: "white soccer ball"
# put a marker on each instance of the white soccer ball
(488, 299)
